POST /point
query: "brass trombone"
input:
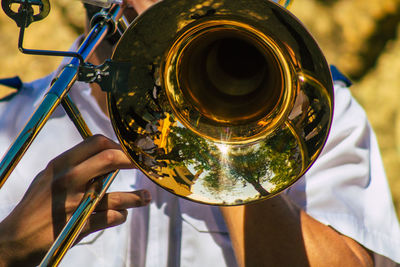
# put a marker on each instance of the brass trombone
(220, 102)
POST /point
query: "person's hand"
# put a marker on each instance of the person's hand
(28, 232)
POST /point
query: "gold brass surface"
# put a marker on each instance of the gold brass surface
(227, 102)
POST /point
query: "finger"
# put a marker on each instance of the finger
(124, 200)
(104, 219)
(84, 150)
(97, 165)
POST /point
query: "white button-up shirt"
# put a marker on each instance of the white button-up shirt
(346, 188)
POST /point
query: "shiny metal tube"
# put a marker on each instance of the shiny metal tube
(78, 220)
(37, 121)
(93, 195)
(52, 99)
(58, 93)
(75, 116)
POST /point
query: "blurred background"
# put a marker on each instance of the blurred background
(362, 38)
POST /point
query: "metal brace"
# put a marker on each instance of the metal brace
(109, 75)
(90, 73)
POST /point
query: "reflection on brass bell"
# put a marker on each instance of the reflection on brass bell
(226, 102)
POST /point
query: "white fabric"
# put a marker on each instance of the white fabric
(346, 189)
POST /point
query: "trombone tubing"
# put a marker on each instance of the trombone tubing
(75, 224)
(67, 237)
(54, 96)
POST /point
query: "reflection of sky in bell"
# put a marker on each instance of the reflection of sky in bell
(223, 148)
(229, 195)
(237, 193)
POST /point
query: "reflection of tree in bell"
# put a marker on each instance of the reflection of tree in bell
(252, 166)
(267, 166)
(285, 159)
(187, 148)
(274, 162)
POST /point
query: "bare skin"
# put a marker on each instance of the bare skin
(28, 232)
(274, 232)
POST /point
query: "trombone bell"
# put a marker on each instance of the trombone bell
(230, 75)
(226, 102)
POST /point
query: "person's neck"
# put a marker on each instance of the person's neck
(102, 52)
(100, 97)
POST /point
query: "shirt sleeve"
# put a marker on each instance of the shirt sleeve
(347, 188)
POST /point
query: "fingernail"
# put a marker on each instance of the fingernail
(146, 197)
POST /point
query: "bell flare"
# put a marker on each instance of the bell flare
(225, 102)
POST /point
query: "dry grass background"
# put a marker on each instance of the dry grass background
(360, 37)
